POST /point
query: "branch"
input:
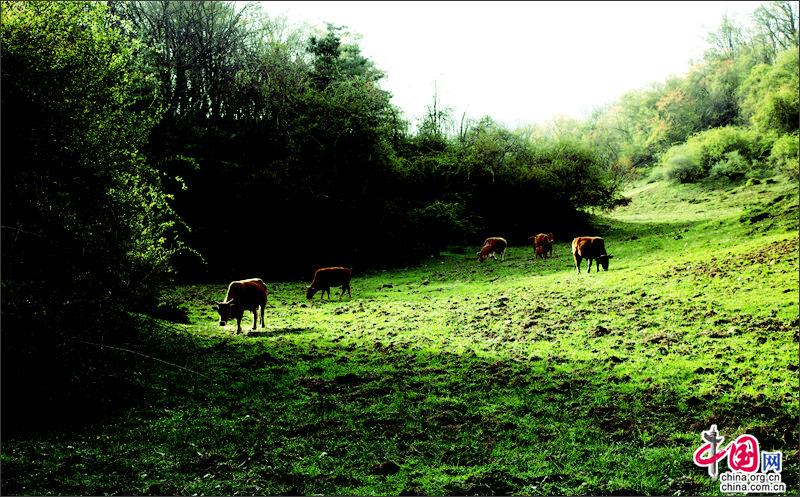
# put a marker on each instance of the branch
(143, 355)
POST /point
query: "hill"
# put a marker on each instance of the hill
(457, 377)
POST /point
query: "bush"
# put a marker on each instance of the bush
(711, 146)
(784, 155)
(729, 152)
(87, 224)
(440, 222)
(682, 167)
(733, 167)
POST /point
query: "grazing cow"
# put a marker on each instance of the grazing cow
(552, 238)
(590, 248)
(545, 241)
(492, 246)
(243, 295)
(327, 277)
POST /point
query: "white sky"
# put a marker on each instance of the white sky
(520, 62)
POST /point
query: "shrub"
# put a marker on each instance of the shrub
(784, 155)
(711, 146)
(728, 151)
(733, 167)
(439, 222)
(681, 166)
(89, 229)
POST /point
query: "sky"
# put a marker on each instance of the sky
(521, 63)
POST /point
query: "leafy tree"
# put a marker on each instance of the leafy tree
(87, 229)
(769, 95)
(334, 60)
(196, 51)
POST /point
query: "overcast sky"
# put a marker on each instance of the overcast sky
(521, 62)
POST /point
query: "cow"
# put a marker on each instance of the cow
(590, 248)
(545, 241)
(492, 246)
(243, 295)
(552, 238)
(327, 277)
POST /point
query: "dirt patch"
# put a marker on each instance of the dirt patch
(782, 252)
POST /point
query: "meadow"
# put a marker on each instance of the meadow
(456, 377)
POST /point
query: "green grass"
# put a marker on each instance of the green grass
(506, 377)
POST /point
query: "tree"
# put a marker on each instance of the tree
(726, 42)
(88, 232)
(197, 48)
(776, 27)
(769, 95)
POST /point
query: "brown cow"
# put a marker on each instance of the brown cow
(491, 246)
(552, 238)
(545, 241)
(327, 277)
(590, 248)
(243, 295)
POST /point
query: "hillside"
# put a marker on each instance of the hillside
(457, 377)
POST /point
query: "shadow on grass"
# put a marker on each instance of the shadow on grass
(268, 332)
(286, 419)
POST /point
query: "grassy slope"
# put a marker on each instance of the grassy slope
(504, 377)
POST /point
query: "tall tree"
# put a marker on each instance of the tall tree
(776, 27)
(197, 48)
(727, 41)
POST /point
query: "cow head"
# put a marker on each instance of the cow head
(224, 310)
(604, 261)
(310, 291)
(481, 256)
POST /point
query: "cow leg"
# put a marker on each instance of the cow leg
(590, 265)
(263, 310)
(349, 293)
(577, 262)
(238, 325)
(503, 255)
(255, 318)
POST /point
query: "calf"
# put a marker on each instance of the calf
(491, 247)
(590, 248)
(543, 245)
(243, 295)
(551, 243)
(327, 277)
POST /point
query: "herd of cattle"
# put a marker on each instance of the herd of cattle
(251, 295)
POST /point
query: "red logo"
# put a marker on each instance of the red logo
(742, 453)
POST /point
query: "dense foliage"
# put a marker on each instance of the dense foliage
(87, 229)
(301, 157)
(723, 118)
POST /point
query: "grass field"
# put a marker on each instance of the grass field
(455, 377)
